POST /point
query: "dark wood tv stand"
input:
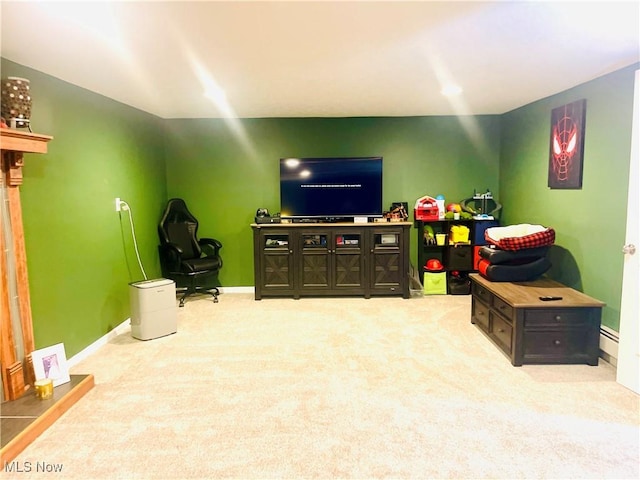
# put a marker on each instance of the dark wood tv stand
(529, 330)
(331, 259)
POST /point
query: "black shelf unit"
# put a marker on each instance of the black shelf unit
(455, 257)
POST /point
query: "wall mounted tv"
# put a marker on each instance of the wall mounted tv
(330, 188)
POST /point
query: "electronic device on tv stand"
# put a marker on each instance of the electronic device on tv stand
(263, 216)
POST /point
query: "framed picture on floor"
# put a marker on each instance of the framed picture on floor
(566, 149)
(51, 362)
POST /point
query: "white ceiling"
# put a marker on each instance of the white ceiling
(321, 59)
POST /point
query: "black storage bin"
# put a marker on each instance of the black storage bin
(459, 285)
(460, 258)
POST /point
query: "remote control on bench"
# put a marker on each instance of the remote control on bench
(549, 298)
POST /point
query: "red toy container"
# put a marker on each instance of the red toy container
(426, 209)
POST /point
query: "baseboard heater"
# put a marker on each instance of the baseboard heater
(609, 345)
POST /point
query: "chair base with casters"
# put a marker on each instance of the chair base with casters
(195, 289)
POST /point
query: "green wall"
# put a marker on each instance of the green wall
(589, 222)
(79, 250)
(226, 170)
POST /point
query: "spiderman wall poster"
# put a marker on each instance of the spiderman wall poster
(567, 145)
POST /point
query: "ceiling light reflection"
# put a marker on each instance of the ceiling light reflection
(214, 92)
(458, 103)
(292, 162)
(451, 90)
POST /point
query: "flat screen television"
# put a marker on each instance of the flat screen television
(330, 188)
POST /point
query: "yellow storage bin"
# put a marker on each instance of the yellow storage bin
(459, 234)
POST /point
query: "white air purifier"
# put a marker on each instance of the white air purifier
(154, 312)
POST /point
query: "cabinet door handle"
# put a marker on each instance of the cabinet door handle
(501, 330)
(557, 342)
(558, 318)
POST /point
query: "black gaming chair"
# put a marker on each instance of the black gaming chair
(184, 257)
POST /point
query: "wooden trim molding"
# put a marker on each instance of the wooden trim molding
(22, 276)
(15, 379)
(14, 144)
(7, 345)
(38, 415)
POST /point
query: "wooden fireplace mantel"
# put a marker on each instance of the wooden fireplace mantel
(23, 419)
(15, 374)
(26, 142)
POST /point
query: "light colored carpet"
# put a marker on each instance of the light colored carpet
(338, 388)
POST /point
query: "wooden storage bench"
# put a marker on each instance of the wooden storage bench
(529, 330)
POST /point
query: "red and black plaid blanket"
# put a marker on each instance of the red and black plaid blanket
(532, 240)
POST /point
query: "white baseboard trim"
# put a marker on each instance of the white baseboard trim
(126, 327)
(249, 289)
(91, 349)
(609, 345)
